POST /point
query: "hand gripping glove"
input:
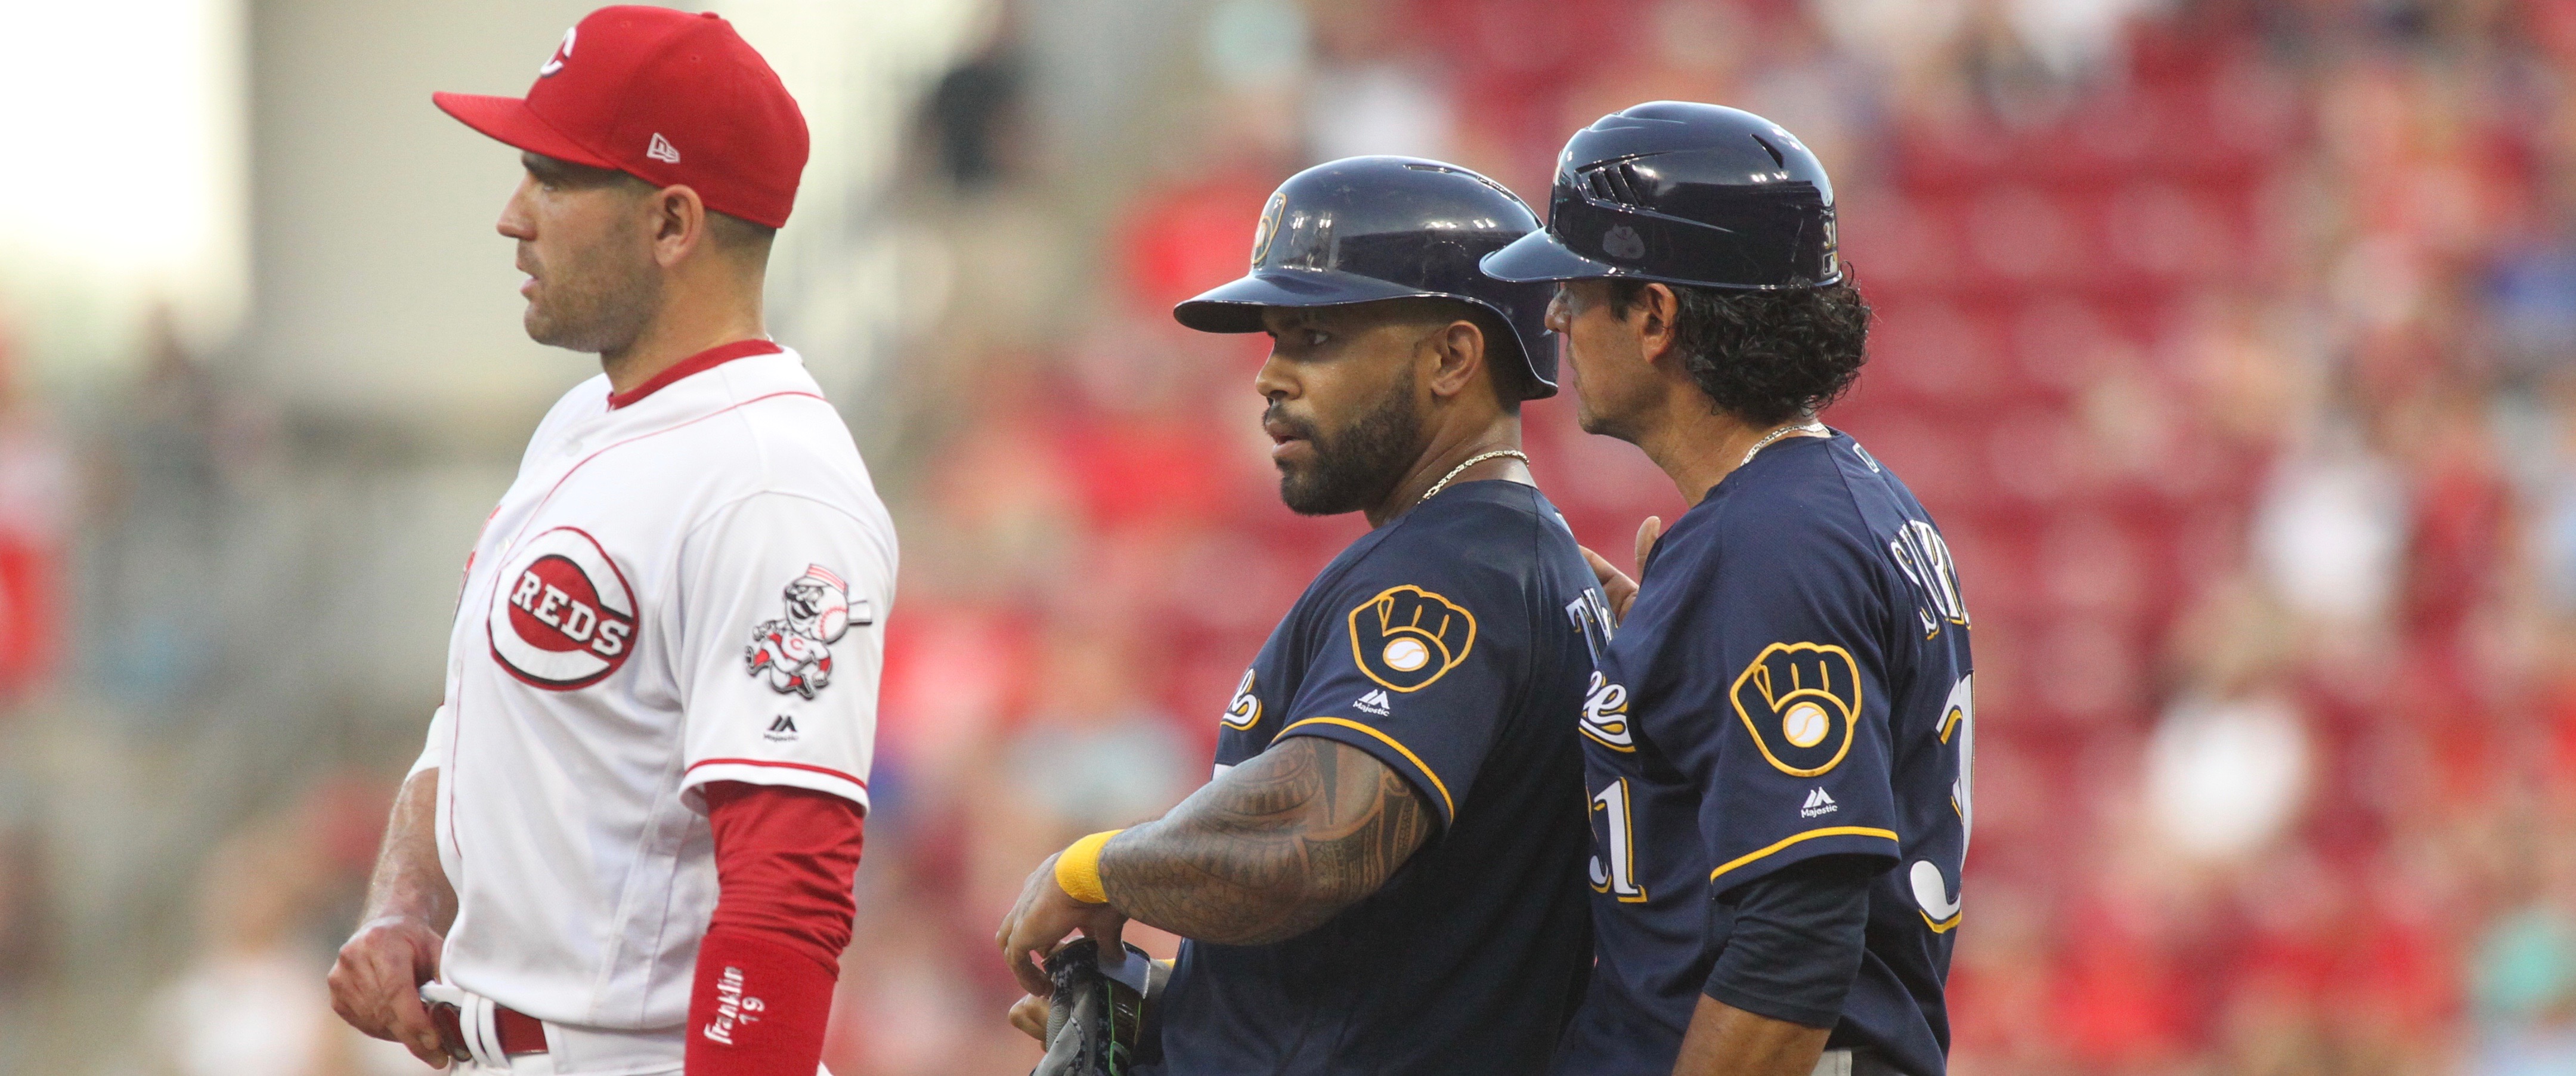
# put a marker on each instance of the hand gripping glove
(1097, 1017)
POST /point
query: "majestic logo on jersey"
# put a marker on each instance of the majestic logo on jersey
(1268, 229)
(794, 654)
(1407, 637)
(1925, 559)
(562, 615)
(1245, 711)
(1605, 714)
(1375, 702)
(1801, 702)
(1818, 802)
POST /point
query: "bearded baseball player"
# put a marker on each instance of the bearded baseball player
(1778, 751)
(1385, 874)
(628, 846)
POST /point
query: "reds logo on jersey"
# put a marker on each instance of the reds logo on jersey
(562, 615)
(794, 654)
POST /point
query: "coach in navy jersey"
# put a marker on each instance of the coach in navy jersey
(1384, 877)
(1778, 749)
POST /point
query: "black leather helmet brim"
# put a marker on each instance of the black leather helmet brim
(1236, 307)
(1538, 258)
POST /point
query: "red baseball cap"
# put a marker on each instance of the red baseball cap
(668, 97)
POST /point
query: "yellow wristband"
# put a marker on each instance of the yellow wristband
(1078, 869)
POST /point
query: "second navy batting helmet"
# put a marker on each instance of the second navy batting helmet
(1683, 193)
(1362, 229)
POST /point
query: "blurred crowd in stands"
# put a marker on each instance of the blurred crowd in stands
(2232, 343)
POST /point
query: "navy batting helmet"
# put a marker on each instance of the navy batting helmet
(1683, 193)
(1362, 229)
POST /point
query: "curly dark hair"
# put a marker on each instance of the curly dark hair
(1766, 357)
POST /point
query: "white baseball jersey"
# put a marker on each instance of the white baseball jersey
(691, 587)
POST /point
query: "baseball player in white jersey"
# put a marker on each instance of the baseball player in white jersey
(628, 846)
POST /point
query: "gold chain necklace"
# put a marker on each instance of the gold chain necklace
(1472, 461)
(1810, 427)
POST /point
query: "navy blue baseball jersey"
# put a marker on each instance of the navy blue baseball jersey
(1448, 644)
(1791, 682)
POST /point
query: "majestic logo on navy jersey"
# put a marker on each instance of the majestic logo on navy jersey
(1925, 559)
(1407, 637)
(794, 654)
(1801, 702)
(562, 615)
(1605, 714)
(1245, 711)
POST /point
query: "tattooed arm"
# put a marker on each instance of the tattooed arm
(1264, 853)
(1281, 843)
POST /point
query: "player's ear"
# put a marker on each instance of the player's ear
(1458, 355)
(679, 223)
(1652, 313)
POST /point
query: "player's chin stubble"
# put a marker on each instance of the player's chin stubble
(1359, 466)
(597, 302)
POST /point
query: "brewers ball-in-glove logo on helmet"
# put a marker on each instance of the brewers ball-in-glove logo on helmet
(1407, 637)
(1801, 701)
(794, 654)
(562, 615)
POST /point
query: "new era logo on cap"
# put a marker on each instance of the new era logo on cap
(650, 79)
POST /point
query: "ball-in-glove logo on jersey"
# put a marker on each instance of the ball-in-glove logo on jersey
(793, 654)
(562, 615)
(1801, 702)
(1407, 637)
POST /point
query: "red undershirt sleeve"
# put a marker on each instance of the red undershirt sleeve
(786, 861)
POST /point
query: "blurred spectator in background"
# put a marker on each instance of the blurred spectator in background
(36, 504)
(168, 465)
(250, 998)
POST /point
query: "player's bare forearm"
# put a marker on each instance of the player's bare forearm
(1725, 1039)
(1272, 849)
(408, 881)
(375, 982)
